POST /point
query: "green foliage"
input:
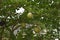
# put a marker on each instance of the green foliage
(46, 16)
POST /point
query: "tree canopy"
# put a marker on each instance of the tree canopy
(29, 19)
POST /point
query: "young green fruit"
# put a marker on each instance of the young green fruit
(23, 25)
(30, 15)
(37, 29)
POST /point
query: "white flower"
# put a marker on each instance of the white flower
(20, 11)
(35, 35)
(42, 17)
(16, 31)
(33, 0)
(2, 16)
(59, 22)
(33, 32)
(52, 2)
(55, 30)
(9, 17)
(44, 31)
(38, 3)
(56, 39)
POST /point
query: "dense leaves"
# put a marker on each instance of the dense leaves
(37, 20)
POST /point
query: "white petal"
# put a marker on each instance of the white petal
(21, 10)
(56, 39)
